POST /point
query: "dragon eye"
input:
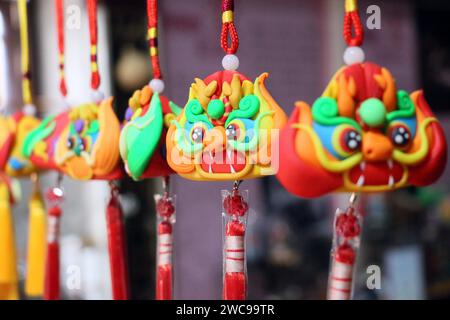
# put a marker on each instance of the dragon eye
(82, 144)
(400, 136)
(70, 142)
(350, 140)
(232, 131)
(197, 134)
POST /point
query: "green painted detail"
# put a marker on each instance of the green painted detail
(406, 108)
(176, 110)
(38, 134)
(142, 136)
(248, 107)
(373, 112)
(325, 111)
(94, 127)
(251, 145)
(216, 109)
(194, 112)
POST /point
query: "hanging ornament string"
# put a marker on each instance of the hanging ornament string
(25, 59)
(353, 28)
(152, 35)
(353, 34)
(59, 8)
(229, 33)
(156, 84)
(93, 31)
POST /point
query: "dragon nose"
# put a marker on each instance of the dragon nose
(214, 139)
(376, 146)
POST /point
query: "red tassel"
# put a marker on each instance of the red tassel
(117, 249)
(164, 273)
(235, 273)
(346, 238)
(235, 282)
(52, 286)
(165, 214)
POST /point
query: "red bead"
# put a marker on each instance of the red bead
(347, 225)
(164, 228)
(54, 211)
(165, 208)
(52, 196)
(235, 205)
(345, 254)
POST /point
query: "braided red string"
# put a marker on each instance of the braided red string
(95, 76)
(59, 7)
(353, 29)
(152, 13)
(229, 31)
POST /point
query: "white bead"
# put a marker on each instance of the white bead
(354, 55)
(230, 62)
(29, 110)
(157, 85)
(97, 96)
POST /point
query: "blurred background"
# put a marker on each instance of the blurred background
(299, 42)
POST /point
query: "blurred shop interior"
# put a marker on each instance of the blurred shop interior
(299, 43)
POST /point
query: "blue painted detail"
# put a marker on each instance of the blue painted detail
(411, 123)
(16, 164)
(325, 134)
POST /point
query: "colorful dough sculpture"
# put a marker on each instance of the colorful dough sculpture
(362, 135)
(88, 147)
(6, 142)
(83, 142)
(143, 151)
(14, 132)
(224, 132)
(40, 144)
(143, 138)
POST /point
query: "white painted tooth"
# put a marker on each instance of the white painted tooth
(210, 169)
(362, 165)
(391, 181)
(360, 182)
(390, 163)
(232, 169)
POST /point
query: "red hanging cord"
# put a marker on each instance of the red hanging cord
(95, 75)
(353, 28)
(59, 6)
(228, 28)
(152, 13)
